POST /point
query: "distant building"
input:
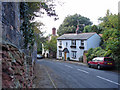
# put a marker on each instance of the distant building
(72, 46)
(47, 53)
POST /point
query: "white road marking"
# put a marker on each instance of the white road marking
(108, 80)
(68, 66)
(51, 79)
(83, 71)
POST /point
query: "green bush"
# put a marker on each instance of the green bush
(96, 52)
(68, 58)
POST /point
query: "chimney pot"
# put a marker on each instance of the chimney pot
(54, 31)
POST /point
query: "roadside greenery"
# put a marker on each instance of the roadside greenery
(51, 45)
(28, 11)
(110, 45)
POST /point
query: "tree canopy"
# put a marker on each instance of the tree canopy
(110, 38)
(95, 28)
(70, 23)
(28, 11)
(109, 21)
(51, 45)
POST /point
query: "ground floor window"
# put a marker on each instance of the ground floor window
(74, 54)
(60, 53)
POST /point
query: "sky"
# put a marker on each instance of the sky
(92, 9)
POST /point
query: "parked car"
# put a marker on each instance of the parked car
(39, 56)
(102, 62)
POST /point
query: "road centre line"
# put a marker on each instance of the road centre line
(83, 71)
(68, 66)
(108, 80)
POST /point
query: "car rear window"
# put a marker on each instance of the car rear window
(108, 59)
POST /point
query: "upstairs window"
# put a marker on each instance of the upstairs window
(60, 43)
(73, 42)
(82, 42)
(66, 44)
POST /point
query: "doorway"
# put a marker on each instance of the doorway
(65, 55)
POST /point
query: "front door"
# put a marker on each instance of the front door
(65, 54)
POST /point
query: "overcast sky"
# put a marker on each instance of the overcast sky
(92, 9)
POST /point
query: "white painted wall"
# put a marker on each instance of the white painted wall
(44, 51)
(79, 51)
(63, 46)
(92, 42)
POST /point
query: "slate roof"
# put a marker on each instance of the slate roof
(80, 36)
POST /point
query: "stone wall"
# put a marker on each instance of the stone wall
(11, 24)
(13, 69)
(17, 64)
(84, 57)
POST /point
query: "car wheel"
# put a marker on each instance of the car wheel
(89, 66)
(98, 67)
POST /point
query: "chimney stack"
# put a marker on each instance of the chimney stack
(54, 31)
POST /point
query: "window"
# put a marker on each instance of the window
(82, 42)
(66, 44)
(108, 59)
(74, 54)
(73, 42)
(60, 43)
(93, 60)
(60, 53)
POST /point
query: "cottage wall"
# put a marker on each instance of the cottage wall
(77, 49)
(93, 41)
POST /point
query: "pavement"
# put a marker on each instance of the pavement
(69, 74)
(72, 62)
(41, 79)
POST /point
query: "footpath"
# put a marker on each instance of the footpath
(41, 77)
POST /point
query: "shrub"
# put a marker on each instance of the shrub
(68, 58)
(96, 52)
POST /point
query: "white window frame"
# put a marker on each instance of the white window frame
(82, 42)
(74, 53)
(73, 42)
(60, 43)
(60, 53)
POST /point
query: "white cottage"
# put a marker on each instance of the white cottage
(73, 45)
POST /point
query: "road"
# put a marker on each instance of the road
(67, 75)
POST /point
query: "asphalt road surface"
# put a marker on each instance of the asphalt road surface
(67, 75)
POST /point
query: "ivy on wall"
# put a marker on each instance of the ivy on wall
(28, 13)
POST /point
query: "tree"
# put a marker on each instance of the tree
(51, 45)
(87, 28)
(70, 23)
(109, 21)
(95, 52)
(111, 38)
(28, 11)
(95, 28)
